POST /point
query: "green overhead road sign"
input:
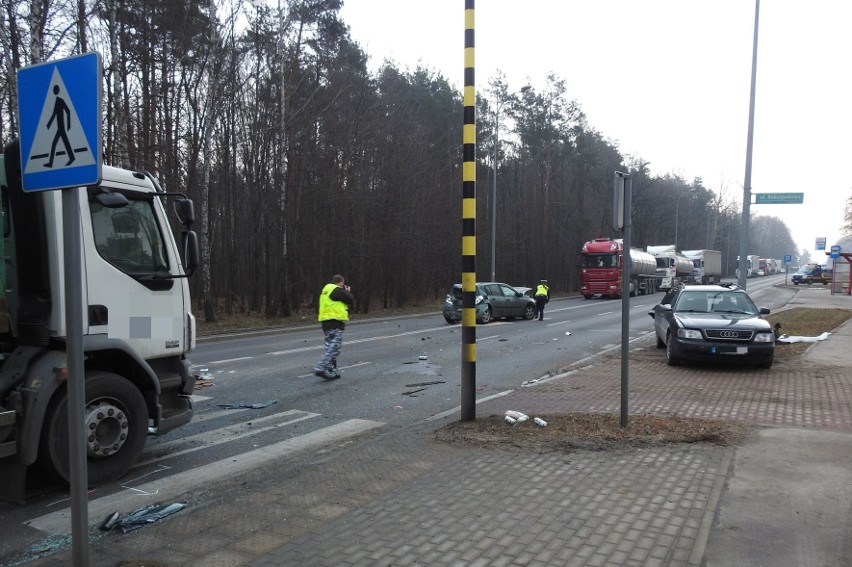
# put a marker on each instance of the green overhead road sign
(779, 198)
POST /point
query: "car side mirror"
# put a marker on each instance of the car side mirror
(764, 310)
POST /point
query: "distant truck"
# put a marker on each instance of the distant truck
(672, 268)
(706, 265)
(601, 262)
(751, 266)
(813, 273)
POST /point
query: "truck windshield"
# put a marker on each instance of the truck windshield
(600, 261)
(129, 237)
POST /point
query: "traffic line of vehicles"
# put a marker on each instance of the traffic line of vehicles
(657, 268)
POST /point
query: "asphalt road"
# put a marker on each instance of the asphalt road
(386, 383)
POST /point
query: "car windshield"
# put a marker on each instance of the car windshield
(715, 302)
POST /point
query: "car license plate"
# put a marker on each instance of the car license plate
(730, 350)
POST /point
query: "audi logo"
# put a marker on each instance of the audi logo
(729, 334)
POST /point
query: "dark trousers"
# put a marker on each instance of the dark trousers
(540, 301)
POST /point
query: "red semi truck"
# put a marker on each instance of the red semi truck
(601, 263)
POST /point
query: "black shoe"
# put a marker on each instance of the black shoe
(326, 375)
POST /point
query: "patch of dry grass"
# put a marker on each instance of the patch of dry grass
(806, 323)
(591, 432)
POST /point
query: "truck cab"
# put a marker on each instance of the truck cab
(137, 317)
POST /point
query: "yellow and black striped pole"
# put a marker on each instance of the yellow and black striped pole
(468, 376)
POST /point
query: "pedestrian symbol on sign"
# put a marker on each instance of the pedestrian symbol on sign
(59, 133)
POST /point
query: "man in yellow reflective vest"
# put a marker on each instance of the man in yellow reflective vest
(334, 303)
(542, 296)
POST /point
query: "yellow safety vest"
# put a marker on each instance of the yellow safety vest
(542, 290)
(330, 309)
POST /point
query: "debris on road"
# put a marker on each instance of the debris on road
(787, 339)
(141, 517)
(408, 393)
(516, 415)
(426, 383)
(247, 405)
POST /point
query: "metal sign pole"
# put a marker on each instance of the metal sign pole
(76, 377)
(622, 219)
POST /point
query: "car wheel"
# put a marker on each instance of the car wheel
(485, 318)
(529, 312)
(587, 297)
(766, 364)
(671, 357)
(450, 320)
(660, 342)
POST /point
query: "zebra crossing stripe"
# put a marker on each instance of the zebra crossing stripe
(173, 486)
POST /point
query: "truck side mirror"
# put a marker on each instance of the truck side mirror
(189, 250)
(185, 210)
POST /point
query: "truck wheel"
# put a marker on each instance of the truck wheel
(116, 423)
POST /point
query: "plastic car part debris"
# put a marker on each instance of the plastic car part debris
(518, 416)
(426, 383)
(408, 393)
(540, 422)
(110, 521)
(511, 420)
(422, 357)
(148, 515)
(257, 405)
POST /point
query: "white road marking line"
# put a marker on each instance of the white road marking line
(227, 360)
(457, 409)
(175, 485)
(357, 341)
(224, 435)
(487, 338)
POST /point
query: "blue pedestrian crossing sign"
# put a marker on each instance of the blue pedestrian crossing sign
(59, 111)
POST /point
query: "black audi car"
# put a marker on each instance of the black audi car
(713, 323)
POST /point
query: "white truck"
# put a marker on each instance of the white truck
(672, 267)
(706, 265)
(752, 264)
(137, 323)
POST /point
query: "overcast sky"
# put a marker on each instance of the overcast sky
(667, 81)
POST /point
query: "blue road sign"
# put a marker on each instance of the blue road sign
(59, 108)
(788, 258)
(835, 251)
